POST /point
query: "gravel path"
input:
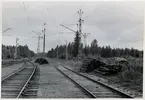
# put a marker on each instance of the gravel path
(8, 70)
(53, 84)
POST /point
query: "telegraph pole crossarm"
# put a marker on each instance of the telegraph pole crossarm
(38, 33)
(67, 28)
(6, 30)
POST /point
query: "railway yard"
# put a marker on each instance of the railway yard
(72, 50)
(54, 80)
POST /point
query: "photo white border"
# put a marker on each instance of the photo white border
(71, 1)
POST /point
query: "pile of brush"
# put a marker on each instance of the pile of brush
(92, 64)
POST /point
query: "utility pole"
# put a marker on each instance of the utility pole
(80, 21)
(57, 52)
(66, 51)
(16, 48)
(39, 37)
(85, 43)
(80, 30)
(44, 39)
(38, 48)
(85, 37)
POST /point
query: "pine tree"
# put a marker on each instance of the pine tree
(76, 45)
(94, 47)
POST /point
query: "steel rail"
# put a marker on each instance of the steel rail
(101, 83)
(27, 81)
(84, 89)
(13, 73)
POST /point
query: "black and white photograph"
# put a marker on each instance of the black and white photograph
(75, 49)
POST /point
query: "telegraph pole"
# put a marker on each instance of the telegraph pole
(16, 48)
(38, 48)
(38, 45)
(80, 29)
(80, 21)
(85, 37)
(57, 52)
(44, 39)
(66, 51)
(39, 37)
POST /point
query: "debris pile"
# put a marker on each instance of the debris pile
(89, 64)
(41, 61)
(92, 64)
(109, 69)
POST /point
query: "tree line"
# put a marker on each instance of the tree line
(94, 50)
(8, 52)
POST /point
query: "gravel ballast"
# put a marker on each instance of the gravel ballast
(53, 84)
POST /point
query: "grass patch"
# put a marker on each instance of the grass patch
(131, 75)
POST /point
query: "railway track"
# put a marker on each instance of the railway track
(16, 84)
(93, 88)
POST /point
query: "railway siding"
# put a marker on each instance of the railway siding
(105, 82)
(93, 87)
(14, 84)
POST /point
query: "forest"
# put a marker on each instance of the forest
(94, 50)
(22, 52)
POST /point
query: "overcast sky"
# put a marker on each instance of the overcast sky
(118, 24)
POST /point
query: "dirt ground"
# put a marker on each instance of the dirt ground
(8, 70)
(10, 62)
